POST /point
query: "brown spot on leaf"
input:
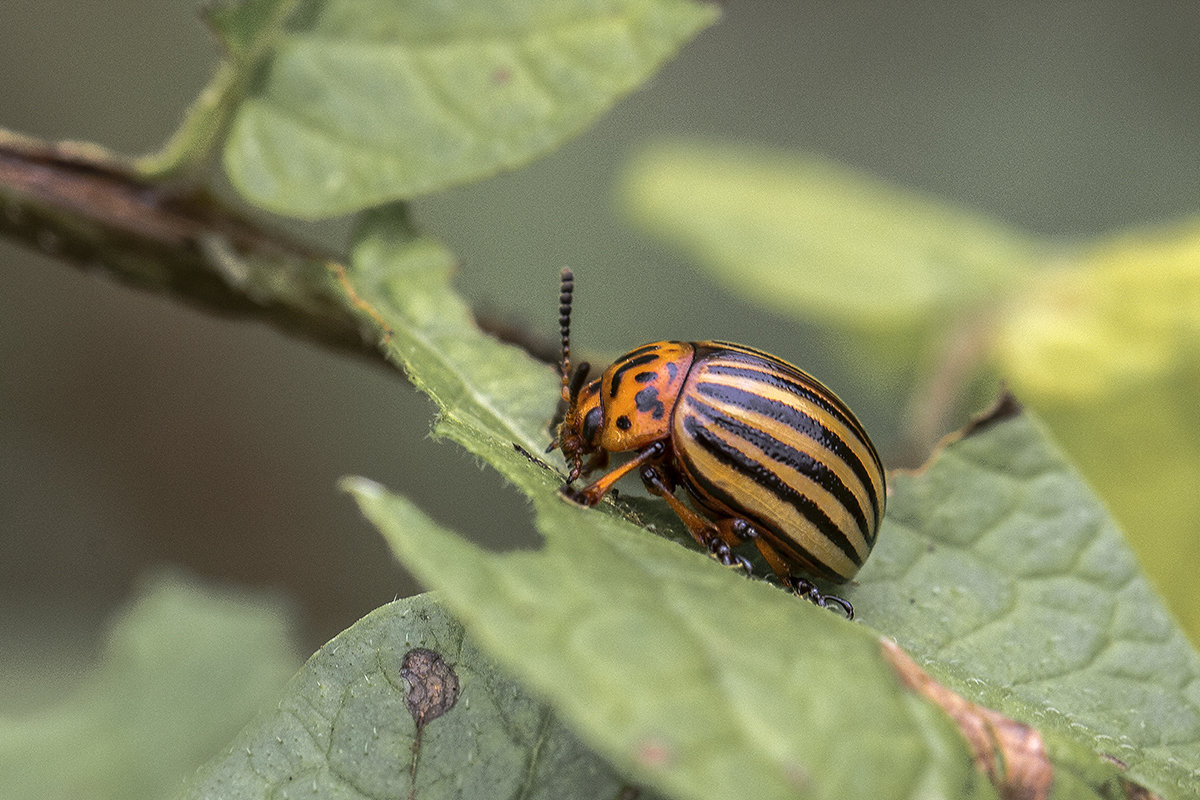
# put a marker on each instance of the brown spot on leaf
(432, 685)
(1010, 753)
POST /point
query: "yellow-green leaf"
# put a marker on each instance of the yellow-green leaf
(1108, 350)
(351, 103)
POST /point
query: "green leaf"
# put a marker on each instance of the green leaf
(355, 103)
(1107, 350)
(344, 728)
(1004, 575)
(997, 568)
(183, 669)
(492, 390)
(622, 632)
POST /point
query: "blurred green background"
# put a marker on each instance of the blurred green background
(135, 432)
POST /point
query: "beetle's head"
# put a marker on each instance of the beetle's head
(579, 431)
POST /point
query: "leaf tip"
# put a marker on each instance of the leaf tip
(362, 488)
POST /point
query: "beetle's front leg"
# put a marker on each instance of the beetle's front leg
(594, 491)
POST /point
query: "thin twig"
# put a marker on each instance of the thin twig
(86, 206)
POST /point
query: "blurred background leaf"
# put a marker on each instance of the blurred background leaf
(184, 668)
(1107, 348)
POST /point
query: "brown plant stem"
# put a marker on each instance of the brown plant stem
(81, 204)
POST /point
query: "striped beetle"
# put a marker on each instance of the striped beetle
(765, 451)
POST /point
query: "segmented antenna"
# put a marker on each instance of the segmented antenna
(564, 324)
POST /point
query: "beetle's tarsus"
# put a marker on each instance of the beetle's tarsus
(720, 551)
(806, 589)
(574, 495)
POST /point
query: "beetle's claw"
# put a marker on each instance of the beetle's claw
(576, 496)
(803, 587)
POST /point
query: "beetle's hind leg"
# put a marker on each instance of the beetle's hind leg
(718, 541)
(801, 587)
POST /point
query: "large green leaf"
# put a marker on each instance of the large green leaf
(350, 103)
(996, 568)
(183, 669)
(1007, 578)
(344, 728)
(688, 677)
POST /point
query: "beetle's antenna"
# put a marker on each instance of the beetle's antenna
(564, 324)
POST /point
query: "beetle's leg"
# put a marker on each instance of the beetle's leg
(801, 587)
(709, 536)
(591, 494)
(735, 531)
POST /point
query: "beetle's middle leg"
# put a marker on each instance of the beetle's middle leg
(712, 537)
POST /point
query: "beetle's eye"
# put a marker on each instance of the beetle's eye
(591, 424)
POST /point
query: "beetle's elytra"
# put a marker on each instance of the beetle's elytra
(765, 451)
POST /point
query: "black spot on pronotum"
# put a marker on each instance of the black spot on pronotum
(591, 424)
(624, 423)
(432, 685)
(645, 377)
(647, 400)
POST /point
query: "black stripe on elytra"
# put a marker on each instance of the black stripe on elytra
(740, 353)
(805, 425)
(704, 489)
(803, 385)
(758, 473)
(625, 365)
(802, 462)
(789, 456)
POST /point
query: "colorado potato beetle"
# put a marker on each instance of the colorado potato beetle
(765, 451)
